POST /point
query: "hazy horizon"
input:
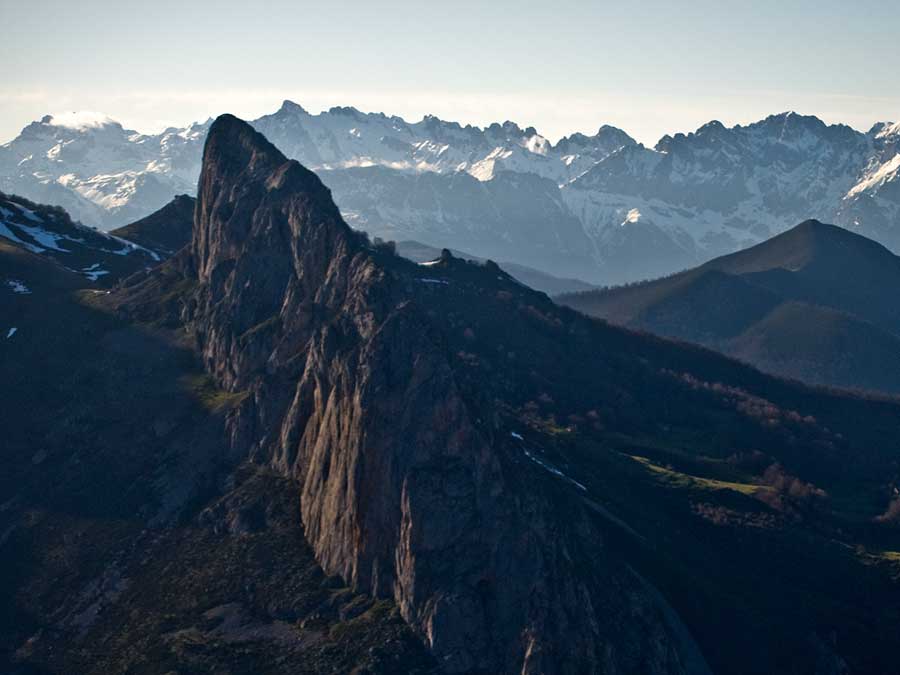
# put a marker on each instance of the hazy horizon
(649, 68)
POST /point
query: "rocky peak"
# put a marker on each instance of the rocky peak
(288, 107)
(240, 169)
(711, 127)
(607, 139)
(408, 486)
(506, 130)
(440, 129)
(885, 129)
(347, 110)
(786, 125)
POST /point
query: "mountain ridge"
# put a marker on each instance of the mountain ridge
(624, 211)
(727, 302)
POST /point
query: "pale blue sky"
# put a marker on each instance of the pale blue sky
(569, 65)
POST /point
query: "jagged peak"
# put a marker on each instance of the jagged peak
(434, 122)
(345, 110)
(711, 126)
(885, 129)
(288, 106)
(508, 127)
(578, 141)
(608, 131)
(793, 119)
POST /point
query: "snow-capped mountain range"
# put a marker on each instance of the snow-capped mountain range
(604, 207)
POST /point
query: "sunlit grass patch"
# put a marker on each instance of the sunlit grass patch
(202, 388)
(889, 561)
(684, 480)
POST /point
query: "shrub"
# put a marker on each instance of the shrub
(892, 514)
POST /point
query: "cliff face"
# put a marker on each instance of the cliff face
(407, 486)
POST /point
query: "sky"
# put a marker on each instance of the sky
(650, 68)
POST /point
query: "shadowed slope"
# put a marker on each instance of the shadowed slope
(165, 231)
(782, 305)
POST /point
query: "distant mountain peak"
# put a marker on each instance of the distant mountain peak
(288, 106)
(885, 129)
(815, 224)
(430, 121)
(793, 120)
(799, 295)
(348, 110)
(712, 125)
(83, 120)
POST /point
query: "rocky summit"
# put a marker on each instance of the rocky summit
(348, 389)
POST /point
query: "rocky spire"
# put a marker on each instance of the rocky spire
(406, 487)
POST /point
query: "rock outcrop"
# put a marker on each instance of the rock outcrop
(408, 488)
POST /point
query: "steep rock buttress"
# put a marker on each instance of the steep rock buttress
(406, 491)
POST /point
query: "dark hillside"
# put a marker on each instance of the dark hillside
(815, 303)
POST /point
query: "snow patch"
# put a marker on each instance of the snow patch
(886, 172)
(547, 466)
(18, 287)
(552, 469)
(46, 239)
(94, 272)
(889, 130)
(8, 234)
(633, 216)
(129, 247)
